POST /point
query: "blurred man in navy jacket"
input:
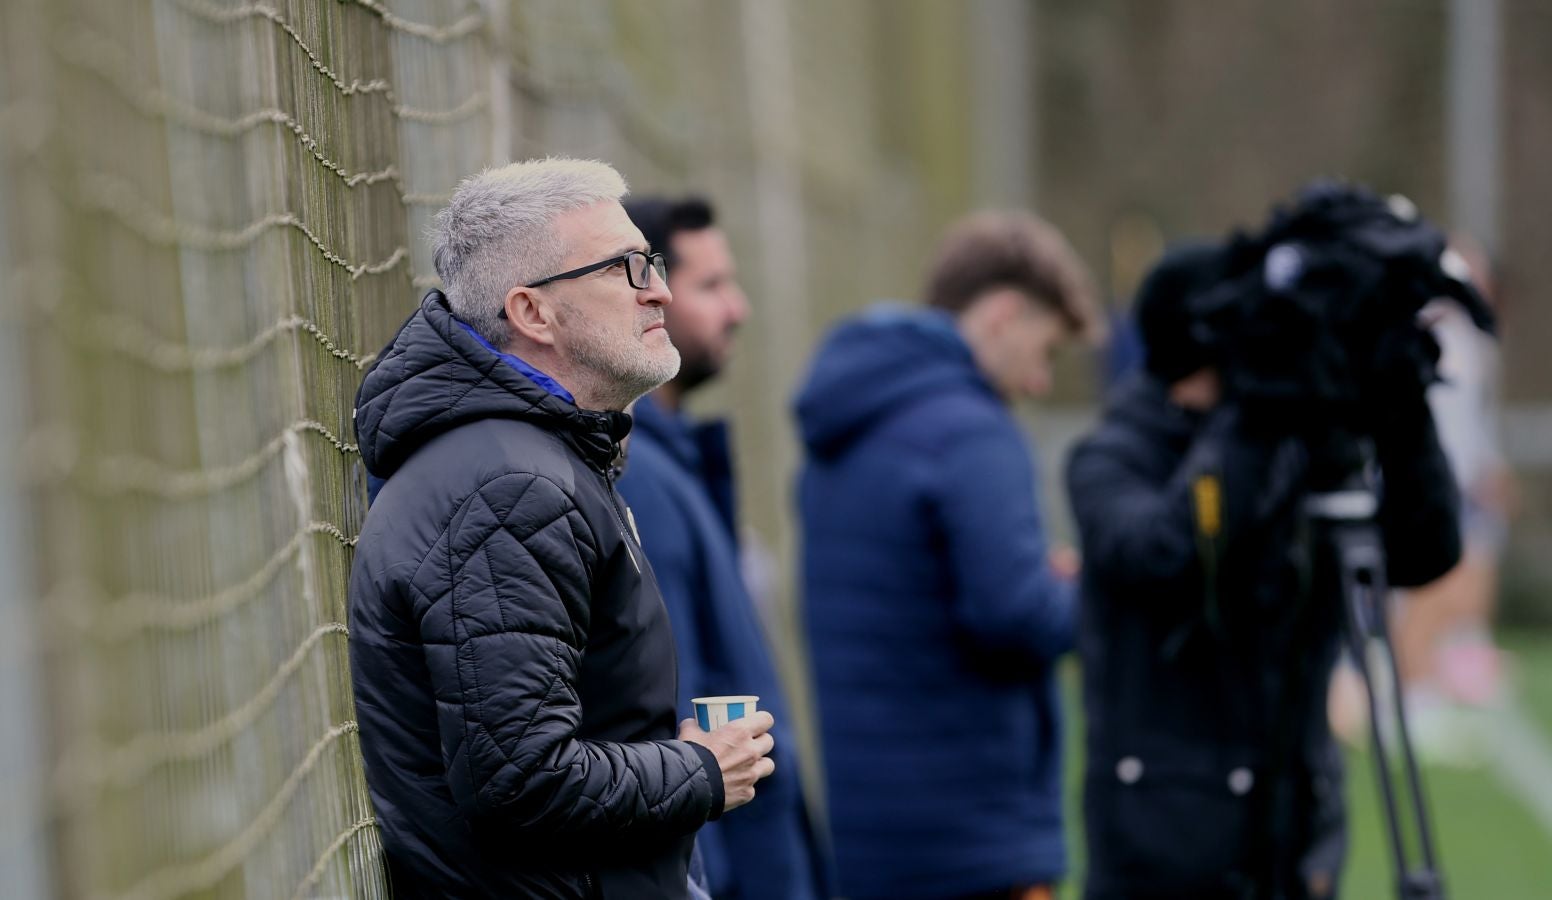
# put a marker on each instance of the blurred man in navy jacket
(934, 618)
(679, 482)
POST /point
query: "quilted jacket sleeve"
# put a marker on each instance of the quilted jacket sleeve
(503, 644)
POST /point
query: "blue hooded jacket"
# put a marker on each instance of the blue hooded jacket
(933, 619)
(680, 488)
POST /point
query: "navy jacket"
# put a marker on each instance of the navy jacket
(933, 619)
(511, 657)
(1206, 660)
(679, 482)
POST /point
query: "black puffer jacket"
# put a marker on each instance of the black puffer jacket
(513, 667)
(1211, 771)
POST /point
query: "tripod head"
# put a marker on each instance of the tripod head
(1345, 528)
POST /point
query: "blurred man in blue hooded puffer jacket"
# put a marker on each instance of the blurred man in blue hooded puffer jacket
(933, 613)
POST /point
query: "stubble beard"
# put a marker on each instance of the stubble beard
(623, 367)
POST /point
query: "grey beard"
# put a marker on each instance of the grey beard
(620, 391)
(618, 372)
(620, 375)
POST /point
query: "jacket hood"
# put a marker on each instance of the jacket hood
(435, 376)
(876, 363)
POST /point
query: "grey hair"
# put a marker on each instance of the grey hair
(496, 232)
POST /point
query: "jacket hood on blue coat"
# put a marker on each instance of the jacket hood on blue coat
(421, 386)
(873, 364)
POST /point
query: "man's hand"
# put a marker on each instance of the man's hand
(740, 747)
(1064, 561)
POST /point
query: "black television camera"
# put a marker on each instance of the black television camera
(1315, 322)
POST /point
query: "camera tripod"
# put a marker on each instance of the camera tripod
(1348, 542)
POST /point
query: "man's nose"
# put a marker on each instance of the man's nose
(656, 293)
(737, 305)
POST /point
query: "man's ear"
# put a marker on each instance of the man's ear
(531, 314)
(1003, 307)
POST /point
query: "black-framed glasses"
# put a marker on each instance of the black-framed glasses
(637, 262)
(638, 268)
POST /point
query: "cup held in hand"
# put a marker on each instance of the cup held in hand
(712, 713)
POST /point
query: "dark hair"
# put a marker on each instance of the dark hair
(990, 250)
(660, 218)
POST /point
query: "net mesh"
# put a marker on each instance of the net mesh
(220, 203)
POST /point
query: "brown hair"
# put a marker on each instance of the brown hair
(990, 250)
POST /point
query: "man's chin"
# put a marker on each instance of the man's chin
(670, 371)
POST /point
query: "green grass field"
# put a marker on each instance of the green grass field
(1490, 845)
(1531, 665)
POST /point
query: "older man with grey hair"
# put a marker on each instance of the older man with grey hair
(511, 656)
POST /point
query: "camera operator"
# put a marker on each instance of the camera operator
(1211, 771)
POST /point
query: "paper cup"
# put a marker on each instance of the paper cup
(713, 712)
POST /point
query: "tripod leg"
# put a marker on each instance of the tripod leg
(1426, 883)
(1355, 599)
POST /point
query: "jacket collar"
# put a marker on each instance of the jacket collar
(702, 449)
(521, 365)
(673, 431)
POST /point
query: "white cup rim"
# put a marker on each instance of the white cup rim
(743, 698)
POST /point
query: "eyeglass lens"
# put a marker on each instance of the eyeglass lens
(636, 268)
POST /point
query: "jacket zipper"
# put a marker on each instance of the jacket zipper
(626, 531)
